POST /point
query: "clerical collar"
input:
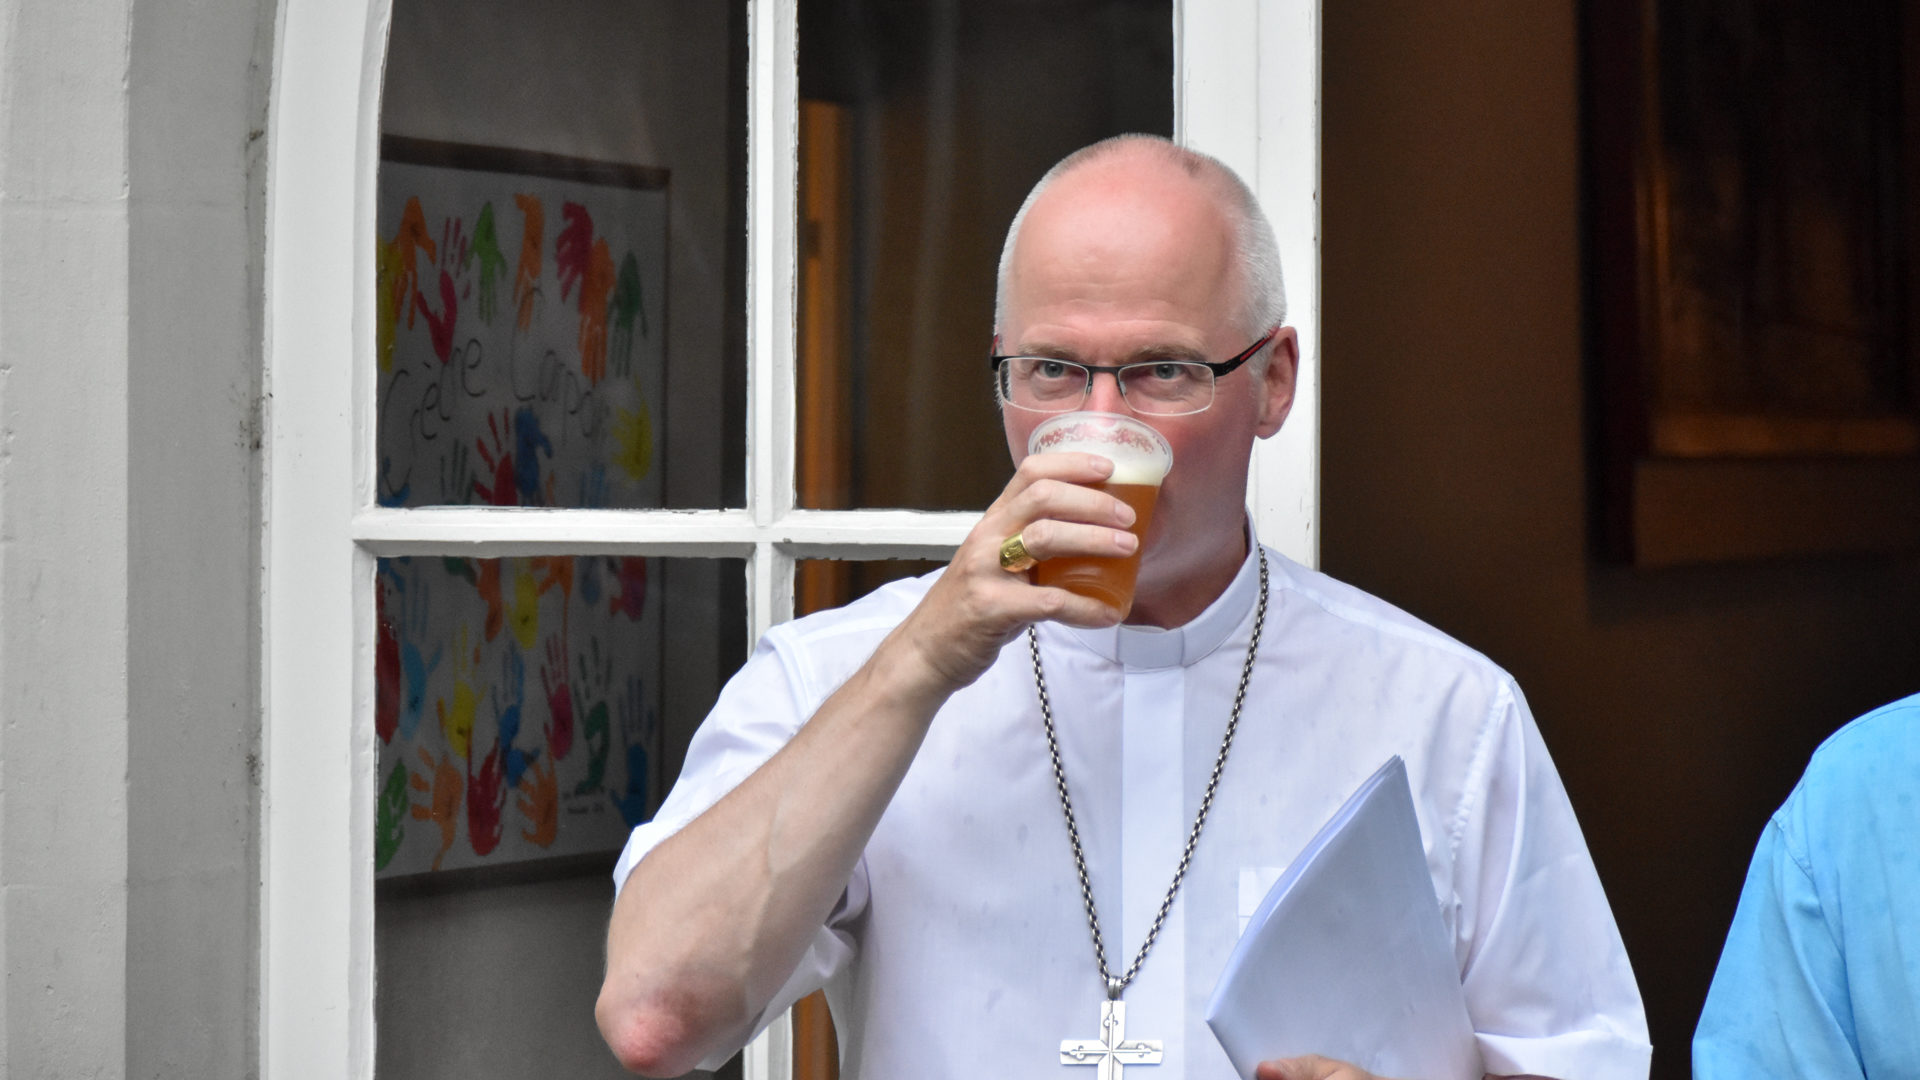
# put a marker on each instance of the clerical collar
(1152, 647)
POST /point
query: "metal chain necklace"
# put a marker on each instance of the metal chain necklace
(1112, 1051)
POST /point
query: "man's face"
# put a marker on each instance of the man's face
(1130, 259)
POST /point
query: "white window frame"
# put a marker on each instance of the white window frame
(1246, 90)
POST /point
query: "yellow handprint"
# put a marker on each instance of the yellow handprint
(456, 721)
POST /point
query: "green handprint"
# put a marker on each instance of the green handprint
(391, 823)
(594, 733)
(628, 303)
(595, 684)
(486, 248)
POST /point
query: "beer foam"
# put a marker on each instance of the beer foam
(1140, 455)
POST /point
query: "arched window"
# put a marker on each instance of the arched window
(773, 466)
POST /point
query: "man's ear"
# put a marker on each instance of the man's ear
(1277, 381)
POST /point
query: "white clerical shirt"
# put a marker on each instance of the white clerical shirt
(960, 947)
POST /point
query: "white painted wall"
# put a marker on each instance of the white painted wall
(63, 536)
(196, 119)
(129, 363)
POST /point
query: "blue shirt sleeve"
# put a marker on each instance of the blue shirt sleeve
(1779, 1004)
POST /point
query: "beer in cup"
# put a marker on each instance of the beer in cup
(1141, 458)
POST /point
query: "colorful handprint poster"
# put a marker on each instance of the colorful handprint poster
(517, 706)
(520, 328)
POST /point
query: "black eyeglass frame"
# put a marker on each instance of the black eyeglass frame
(1224, 367)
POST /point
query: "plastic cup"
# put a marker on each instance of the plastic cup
(1141, 458)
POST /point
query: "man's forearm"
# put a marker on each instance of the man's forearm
(712, 922)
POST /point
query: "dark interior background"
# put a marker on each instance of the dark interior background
(1680, 705)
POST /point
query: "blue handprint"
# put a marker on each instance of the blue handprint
(389, 495)
(513, 678)
(587, 579)
(593, 486)
(638, 721)
(415, 624)
(526, 464)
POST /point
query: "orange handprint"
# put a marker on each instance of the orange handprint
(444, 807)
(555, 570)
(412, 236)
(540, 802)
(594, 288)
(526, 275)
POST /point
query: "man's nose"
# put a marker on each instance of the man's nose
(1105, 396)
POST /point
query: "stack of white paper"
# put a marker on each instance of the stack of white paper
(1347, 955)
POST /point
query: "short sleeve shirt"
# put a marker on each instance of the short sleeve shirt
(961, 936)
(1820, 975)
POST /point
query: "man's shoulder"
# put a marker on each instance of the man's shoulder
(1872, 759)
(1386, 630)
(1868, 741)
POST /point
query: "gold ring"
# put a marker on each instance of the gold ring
(1013, 555)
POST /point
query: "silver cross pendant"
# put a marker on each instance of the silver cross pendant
(1111, 1052)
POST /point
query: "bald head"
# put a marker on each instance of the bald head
(1155, 170)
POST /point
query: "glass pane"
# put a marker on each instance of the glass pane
(819, 584)
(529, 712)
(922, 128)
(561, 255)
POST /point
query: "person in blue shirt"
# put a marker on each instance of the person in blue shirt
(1820, 976)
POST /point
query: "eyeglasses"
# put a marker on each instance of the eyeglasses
(1150, 387)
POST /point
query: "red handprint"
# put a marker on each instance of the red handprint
(499, 460)
(553, 676)
(453, 244)
(386, 669)
(630, 597)
(486, 798)
(488, 583)
(440, 327)
(573, 247)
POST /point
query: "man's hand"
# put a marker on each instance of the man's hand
(977, 607)
(1310, 1067)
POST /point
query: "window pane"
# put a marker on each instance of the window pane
(529, 712)
(922, 128)
(819, 584)
(560, 315)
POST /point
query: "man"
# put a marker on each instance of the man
(874, 804)
(1821, 971)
